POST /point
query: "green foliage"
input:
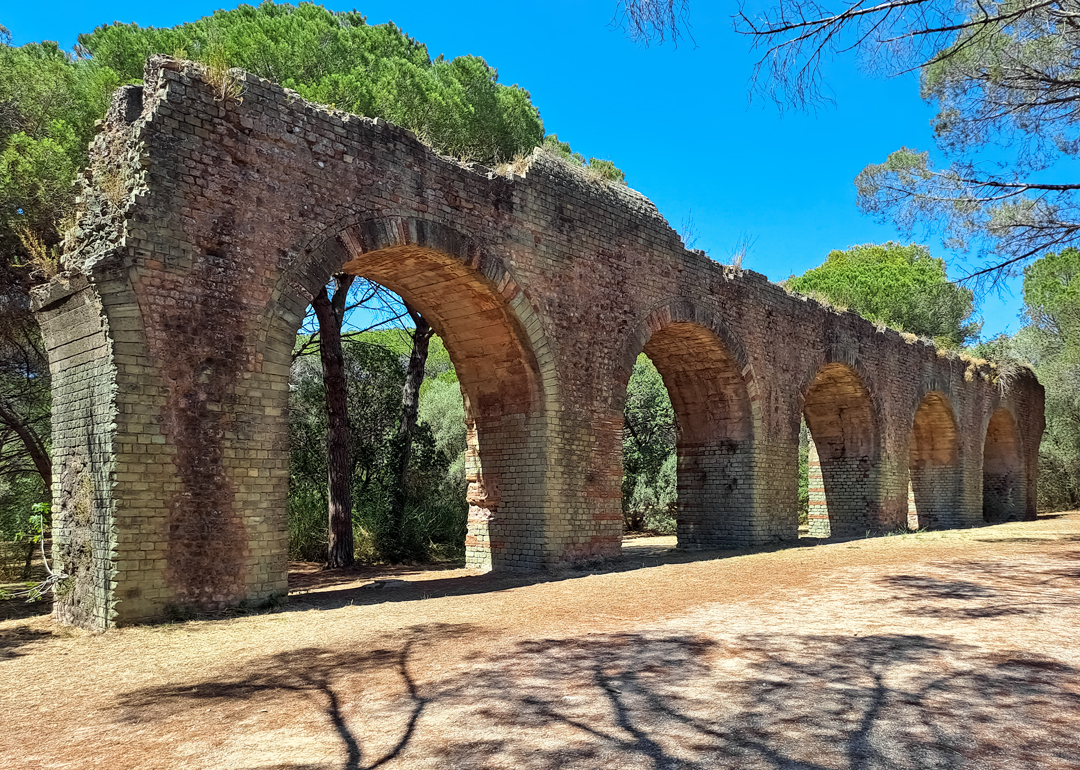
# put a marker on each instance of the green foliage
(48, 104)
(25, 400)
(1001, 73)
(1000, 84)
(651, 507)
(443, 411)
(1004, 76)
(436, 511)
(456, 105)
(1051, 344)
(602, 169)
(899, 286)
(1052, 296)
(649, 462)
(23, 516)
(804, 473)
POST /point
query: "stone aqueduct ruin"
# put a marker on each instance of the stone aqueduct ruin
(208, 225)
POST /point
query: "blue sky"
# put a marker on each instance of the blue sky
(678, 121)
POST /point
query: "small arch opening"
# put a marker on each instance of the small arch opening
(934, 465)
(1003, 471)
(705, 432)
(842, 454)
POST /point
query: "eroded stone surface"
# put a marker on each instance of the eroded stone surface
(208, 226)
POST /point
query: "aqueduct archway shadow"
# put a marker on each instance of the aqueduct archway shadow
(1003, 470)
(844, 453)
(934, 464)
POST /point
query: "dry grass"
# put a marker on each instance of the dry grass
(112, 186)
(518, 166)
(226, 82)
(41, 257)
(818, 297)
(948, 650)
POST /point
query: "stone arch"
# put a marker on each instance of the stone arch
(711, 389)
(496, 344)
(934, 463)
(1004, 488)
(845, 453)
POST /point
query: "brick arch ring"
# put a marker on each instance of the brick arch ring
(998, 405)
(995, 405)
(934, 386)
(848, 357)
(682, 310)
(350, 241)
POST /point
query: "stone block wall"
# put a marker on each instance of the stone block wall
(209, 225)
(79, 345)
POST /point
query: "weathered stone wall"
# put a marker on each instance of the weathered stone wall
(84, 411)
(210, 225)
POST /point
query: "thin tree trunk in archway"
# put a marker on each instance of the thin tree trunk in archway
(410, 402)
(331, 313)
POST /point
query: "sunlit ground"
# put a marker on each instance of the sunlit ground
(934, 650)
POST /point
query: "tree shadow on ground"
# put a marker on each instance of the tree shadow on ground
(19, 609)
(307, 674)
(800, 701)
(314, 589)
(667, 700)
(975, 589)
(12, 640)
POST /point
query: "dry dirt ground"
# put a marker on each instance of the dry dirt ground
(943, 650)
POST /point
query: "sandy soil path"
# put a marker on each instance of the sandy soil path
(942, 650)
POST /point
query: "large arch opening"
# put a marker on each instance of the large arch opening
(1003, 471)
(713, 434)
(842, 453)
(397, 379)
(934, 465)
(473, 308)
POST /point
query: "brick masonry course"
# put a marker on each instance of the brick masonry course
(207, 226)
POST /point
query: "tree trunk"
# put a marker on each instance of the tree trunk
(35, 447)
(330, 313)
(29, 564)
(410, 401)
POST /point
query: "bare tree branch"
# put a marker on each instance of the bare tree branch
(646, 21)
